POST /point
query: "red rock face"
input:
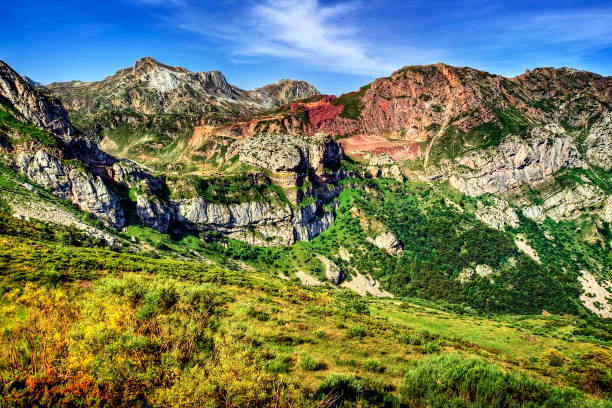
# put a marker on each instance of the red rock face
(409, 105)
(321, 111)
(411, 101)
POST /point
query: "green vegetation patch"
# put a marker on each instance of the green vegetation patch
(231, 189)
(454, 142)
(351, 103)
(12, 122)
(453, 380)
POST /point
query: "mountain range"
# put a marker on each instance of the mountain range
(469, 192)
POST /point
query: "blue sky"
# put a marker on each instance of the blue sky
(336, 45)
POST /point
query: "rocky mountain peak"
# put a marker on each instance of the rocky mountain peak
(146, 63)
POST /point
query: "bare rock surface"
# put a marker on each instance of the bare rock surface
(84, 189)
(365, 285)
(288, 153)
(332, 271)
(515, 161)
(521, 242)
(598, 144)
(497, 214)
(596, 296)
(572, 202)
(387, 241)
(51, 213)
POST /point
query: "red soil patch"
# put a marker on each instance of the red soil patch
(319, 111)
(375, 144)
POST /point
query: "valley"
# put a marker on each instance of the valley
(439, 236)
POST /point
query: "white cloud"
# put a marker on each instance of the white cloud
(320, 37)
(316, 35)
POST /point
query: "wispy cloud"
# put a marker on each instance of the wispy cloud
(354, 37)
(314, 34)
(320, 37)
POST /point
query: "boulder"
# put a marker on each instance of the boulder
(387, 241)
(332, 271)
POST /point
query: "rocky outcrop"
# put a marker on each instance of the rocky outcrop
(516, 161)
(131, 175)
(521, 243)
(535, 212)
(332, 271)
(43, 112)
(365, 285)
(607, 211)
(383, 166)
(497, 213)
(598, 144)
(387, 241)
(307, 225)
(572, 202)
(153, 212)
(260, 223)
(201, 212)
(596, 296)
(288, 153)
(64, 180)
(282, 92)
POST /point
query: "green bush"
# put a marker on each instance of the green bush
(349, 387)
(432, 347)
(280, 364)
(320, 333)
(373, 365)
(356, 332)
(453, 380)
(308, 362)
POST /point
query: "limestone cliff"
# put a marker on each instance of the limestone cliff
(514, 161)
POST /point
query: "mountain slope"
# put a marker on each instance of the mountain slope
(275, 190)
(442, 111)
(149, 112)
(473, 266)
(116, 329)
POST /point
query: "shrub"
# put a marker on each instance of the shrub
(258, 314)
(280, 364)
(308, 362)
(432, 347)
(553, 358)
(320, 333)
(356, 332)
(373, 365)
(338, 388)
(348, 386)
(454, 380)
